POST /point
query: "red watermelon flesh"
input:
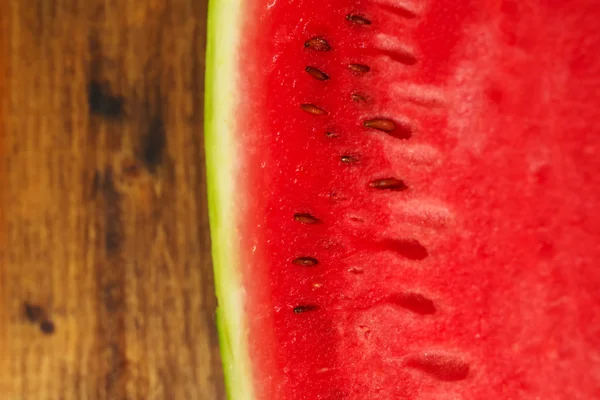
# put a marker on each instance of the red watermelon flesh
(419, 190)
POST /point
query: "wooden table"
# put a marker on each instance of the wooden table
(105, 272)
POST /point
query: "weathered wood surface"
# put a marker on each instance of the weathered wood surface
(105, 275)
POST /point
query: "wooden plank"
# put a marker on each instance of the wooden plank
(105, 276)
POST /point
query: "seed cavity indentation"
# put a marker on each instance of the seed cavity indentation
(414, 302)
(392, 184)
(305, 261)
(399, 10)
(402, 56)
(330, 134)
(305, 308)
(428, 96)
(444, 367)
(312, 109)
(317, 44)
(306, 218)
(408, 248)
(358, 19)
(317, 73)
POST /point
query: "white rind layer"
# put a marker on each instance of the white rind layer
(225, 24)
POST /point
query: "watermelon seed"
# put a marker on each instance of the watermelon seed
(414, 302)
(356, 270)
(381, 124)
(305, 308)
(317, 44)
(306, 218)
(359, 98)
(359, 68)
(388, 184)
(317, 73)
(312, 109)
(349, 159)
(357, 19)
(305, 261)
(331, 134)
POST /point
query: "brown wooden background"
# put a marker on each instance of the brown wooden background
(105, 276)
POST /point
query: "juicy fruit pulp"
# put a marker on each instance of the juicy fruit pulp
(412, 188)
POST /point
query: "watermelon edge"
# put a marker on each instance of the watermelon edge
(223, 34)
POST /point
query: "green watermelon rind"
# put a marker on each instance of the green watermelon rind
(223, 33)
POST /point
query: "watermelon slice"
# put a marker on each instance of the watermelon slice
(404, 198)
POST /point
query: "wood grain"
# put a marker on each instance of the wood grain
(105, 275)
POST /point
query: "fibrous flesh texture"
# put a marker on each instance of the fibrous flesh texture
(405, 198)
